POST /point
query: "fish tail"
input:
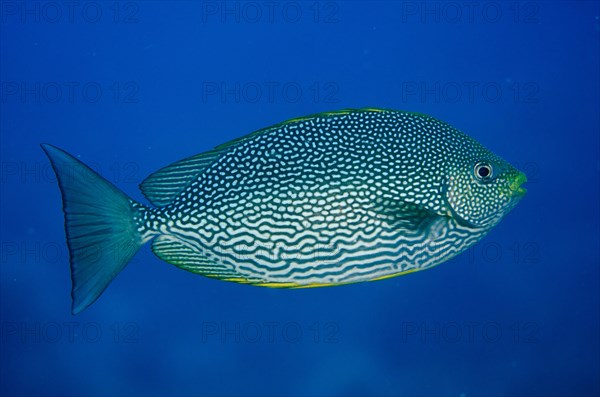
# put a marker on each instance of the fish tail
(100, 225)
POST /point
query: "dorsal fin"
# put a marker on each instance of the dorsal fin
(161, 187)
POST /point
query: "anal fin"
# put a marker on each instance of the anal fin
(174, 251)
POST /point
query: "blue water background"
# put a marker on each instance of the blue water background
(517, 315)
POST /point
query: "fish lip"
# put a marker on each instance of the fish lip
(515, 186)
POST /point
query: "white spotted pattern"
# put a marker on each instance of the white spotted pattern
(327, 199)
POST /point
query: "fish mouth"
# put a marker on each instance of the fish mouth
(515, 186)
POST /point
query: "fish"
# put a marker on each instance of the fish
(328, 199)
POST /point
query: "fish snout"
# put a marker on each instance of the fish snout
(516, 185)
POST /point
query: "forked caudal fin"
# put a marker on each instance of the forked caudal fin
(99, 222)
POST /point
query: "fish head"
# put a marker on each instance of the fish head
(482, 188)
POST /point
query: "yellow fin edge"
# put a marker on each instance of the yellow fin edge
(333, 113)
(293, 285)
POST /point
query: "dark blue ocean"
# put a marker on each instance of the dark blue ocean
(131, 86)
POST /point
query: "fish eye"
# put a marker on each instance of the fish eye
(483, 171)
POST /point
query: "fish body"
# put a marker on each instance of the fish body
(328, 199)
